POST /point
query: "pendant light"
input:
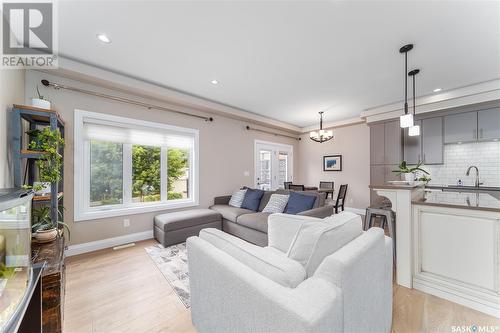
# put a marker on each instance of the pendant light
(321, 135)
(406, 120)
(415, 129)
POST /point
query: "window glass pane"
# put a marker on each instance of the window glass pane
(178, 173)
(264, 178)
(106, 173)
(282, 168)
(146, 174)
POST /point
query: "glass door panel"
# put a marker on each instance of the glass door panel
(264, 180)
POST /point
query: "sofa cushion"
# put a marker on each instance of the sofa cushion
(277, 203)
(256, 221)
(282, 229)
(252, 199)
(298, 202)
(185, 219)
(315, 241)
(265, 199)
(237, 198)
(267, 262)
(320, 197)
(230, 213)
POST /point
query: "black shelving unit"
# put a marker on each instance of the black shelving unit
(25, 173)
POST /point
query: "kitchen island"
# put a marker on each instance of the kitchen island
(448, 242)
(456, 246)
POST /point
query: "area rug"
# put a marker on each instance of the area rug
(172, 263)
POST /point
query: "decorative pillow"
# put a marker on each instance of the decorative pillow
(299, 202)
(316, 240)
(276, 204)
(252, 199)
(237, 198)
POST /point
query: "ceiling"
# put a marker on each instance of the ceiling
(288, 60)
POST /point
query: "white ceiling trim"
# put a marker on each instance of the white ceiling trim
(341, 123)
(473, 94)
(75, 70)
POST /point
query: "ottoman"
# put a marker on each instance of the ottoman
(174, 228)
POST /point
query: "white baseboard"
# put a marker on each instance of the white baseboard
(73, 250)
(358, 211)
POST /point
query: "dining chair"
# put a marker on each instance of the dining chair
(286, 185)
(326, 187)
(294, 187)
(341, 198)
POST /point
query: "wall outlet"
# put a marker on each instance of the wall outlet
(350, 200)
(126, 223)
(246, 173)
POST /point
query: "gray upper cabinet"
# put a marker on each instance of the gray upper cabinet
(393, 143)
(377, 144)
(432, 140)
(489, 124)
(412, 146)
(461, 127)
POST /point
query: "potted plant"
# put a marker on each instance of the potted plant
(424, 178)
(49, 142)
(41, 101)
(409, 172)
(44, 230)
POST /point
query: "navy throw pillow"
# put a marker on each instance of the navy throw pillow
(252, 199)
(299, 202)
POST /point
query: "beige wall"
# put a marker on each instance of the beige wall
(11, 91)
(226, 152)
(353, 143)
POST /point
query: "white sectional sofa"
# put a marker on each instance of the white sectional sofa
(316, 275)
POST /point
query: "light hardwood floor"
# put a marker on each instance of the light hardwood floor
(123, 291)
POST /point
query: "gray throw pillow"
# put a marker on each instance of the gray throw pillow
(237, 198)
(276, 204)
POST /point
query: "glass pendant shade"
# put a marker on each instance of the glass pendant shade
(406, 120)
(414, 130)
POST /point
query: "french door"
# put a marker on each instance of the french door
(273, 165)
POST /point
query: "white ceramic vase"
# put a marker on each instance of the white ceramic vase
(409, 177)
(44, 236)
(40, 103)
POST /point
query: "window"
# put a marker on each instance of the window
(126, 166)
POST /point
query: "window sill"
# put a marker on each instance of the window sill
(105, 213)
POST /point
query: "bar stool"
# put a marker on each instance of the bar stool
(388, 218)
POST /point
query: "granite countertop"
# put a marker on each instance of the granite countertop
(455, 199)
(395, 185)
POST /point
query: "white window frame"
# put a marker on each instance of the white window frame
(82, 209)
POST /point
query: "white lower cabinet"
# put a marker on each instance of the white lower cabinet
(456, 255)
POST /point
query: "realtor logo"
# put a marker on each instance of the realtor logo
(28, 35)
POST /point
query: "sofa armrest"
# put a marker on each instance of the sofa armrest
(320, 212)
(362, 269)
(222, 200)
(228, 296)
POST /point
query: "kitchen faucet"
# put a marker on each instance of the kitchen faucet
(477, 175)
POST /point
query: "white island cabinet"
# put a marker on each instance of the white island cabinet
(448, 243)
(456, 255)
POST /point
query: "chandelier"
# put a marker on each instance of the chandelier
(321, 135)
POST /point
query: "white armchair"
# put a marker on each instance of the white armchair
(240, 287)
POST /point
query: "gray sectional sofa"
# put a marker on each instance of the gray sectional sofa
(252, 226)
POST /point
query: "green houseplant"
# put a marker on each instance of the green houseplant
(49, 142)
(409, 172)
(43, 228)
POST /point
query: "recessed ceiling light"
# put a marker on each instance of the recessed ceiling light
(214, 82)
(437, 89)
(103, 38)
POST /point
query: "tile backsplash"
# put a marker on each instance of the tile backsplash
(458, 157)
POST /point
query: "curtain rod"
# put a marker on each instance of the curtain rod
(121, 99)
(272, 133)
